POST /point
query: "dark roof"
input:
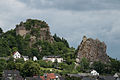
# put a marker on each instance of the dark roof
(107, 77)
(52, 56)
(33, 78)
(11, 72)
(88, 78)
(80, 75)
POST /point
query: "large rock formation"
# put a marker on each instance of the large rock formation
(37, 29)
(93, 50)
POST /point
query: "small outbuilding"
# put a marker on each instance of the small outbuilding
(35, 58)
(94, 73)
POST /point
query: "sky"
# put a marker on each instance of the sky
(71, 19)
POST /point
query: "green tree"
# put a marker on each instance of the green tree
(99, 67)
(20, 60)
(115, 66)
(84, 64)
(1, 31)
(11, 65)
(56, 63)
(30, 69)
(3, 65)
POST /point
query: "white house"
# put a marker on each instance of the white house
(53, 58)
(16, 55)
(25, 58)
(117, 76)
(94, 73)
(35, 58)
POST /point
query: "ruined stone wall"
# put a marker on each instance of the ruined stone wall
(44, 32)
(21, 31)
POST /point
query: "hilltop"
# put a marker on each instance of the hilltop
(33, 38)
(36, 29)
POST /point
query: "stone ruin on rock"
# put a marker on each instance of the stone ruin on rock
(41, 27)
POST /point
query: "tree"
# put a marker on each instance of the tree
(45, 64)
(11, 59)
(11, 65)
(99, 67)
(20, 60)
(58, 39)
(19, 66)
(56, 63)
(115, 66)
(3, 65)
(1, 31)
(84, 65)
(30, 69)
(14, 49)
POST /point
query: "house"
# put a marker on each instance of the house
(16, 55)
(25, 58)
(34, 78)
(79, 75)
(117, 76)
(35, 58)
(46, 76)
(50, 76)
(11, 75)
(53, 58)
(94, 73)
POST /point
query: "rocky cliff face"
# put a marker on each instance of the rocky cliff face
(37, 29)
(93, 50)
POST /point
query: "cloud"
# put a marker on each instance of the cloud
(74, 4)
(69, 19)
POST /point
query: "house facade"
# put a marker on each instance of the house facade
(11, 75)
(25, 58)
(94, 73)
(16, 55)
(53, 58)
(35, 58)
(46, 76)
(117, 76)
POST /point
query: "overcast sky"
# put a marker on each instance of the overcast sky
(71, 19)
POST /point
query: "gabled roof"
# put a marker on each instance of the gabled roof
(16, 52)
(25, 56)
(117, 75)
(51, 76)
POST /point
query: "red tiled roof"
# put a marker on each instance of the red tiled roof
(15, 52)
(51, 76)
(42, 77)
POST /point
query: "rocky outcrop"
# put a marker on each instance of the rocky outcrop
(37, 29)
(93, 50)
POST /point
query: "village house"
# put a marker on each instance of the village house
(11, 75)
(117, 76)
(35, 58)
(46, 76)
(94, 73)
(16, 55)
(25, 58)
(53, 58)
